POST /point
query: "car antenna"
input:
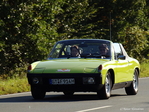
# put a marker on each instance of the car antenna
(110, 26)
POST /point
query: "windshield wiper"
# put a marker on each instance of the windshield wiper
(94, 55)
(89, 55)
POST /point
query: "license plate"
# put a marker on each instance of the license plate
(62, 81)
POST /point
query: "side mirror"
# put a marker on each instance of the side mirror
(122, 57)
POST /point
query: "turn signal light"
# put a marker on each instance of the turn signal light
(29, 68)
(100, 67)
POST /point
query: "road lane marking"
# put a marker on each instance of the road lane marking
(94, 108)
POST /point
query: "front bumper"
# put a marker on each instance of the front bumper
(79, 86)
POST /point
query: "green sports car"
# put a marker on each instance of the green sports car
(84, 65)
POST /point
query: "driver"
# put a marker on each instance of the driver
(103, 48)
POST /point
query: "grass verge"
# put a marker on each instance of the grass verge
(15, 85)
(144, 70)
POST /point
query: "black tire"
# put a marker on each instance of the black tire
(133, 88)
(37, 92)
(68, 93)
(105, 91)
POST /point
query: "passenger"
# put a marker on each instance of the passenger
(75, 51)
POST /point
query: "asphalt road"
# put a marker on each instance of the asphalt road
(80, 102)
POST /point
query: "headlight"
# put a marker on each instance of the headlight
(35, 80)
(88, 80)
(91, 80)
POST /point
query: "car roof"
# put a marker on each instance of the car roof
(104, 40)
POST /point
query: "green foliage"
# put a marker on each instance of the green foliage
(27, 32)
(29, 28)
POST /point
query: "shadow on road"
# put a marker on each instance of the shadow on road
(55, 98)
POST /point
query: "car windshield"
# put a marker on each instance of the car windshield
(89, 48)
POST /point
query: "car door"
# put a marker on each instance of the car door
(122, 63)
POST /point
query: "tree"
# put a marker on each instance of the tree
(130, 26)
(27, 31)
(29, 28)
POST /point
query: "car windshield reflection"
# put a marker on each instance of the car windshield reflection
(81, 49)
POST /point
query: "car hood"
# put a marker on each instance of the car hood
(69, 66)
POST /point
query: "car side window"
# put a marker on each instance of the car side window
(56, 51)
(117, 50)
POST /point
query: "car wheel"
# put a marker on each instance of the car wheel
(105, 91)
(68, 93)
(133, 88)
(37, 92)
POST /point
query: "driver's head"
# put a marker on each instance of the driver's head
(103, 48)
